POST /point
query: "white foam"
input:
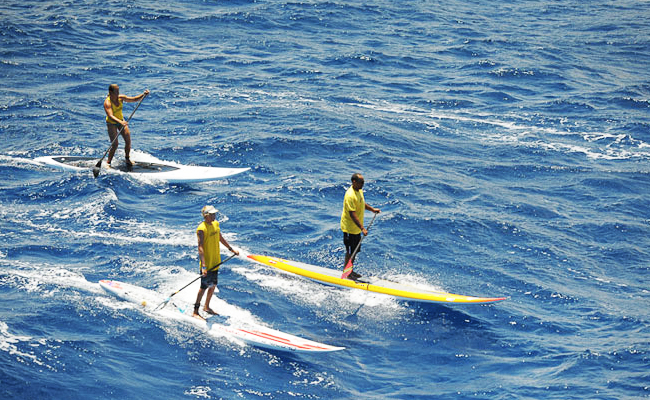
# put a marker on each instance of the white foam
(47, 278)
(329, 300)
(597, 145)
(8, 343)
(91, 214)
(17, 161)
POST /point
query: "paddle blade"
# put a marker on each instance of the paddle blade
(163, 304)
(97, 168)
(347, 270)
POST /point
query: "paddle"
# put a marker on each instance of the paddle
(348, 267)
(164, 303)
(98, 166)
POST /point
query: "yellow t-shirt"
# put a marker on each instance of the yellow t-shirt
(211, 235)
(117, 111)
(353, 201)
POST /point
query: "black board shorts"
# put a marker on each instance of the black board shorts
(351, 241)
(210, 279)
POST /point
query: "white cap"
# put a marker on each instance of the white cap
(208, 210)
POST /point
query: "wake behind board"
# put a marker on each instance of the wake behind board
(253, 334)
(162, 170)
(332, 277)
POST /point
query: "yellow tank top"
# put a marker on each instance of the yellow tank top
(117, 111)
(211, 251)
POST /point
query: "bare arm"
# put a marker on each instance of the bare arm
(353, 215)
(355, 219)
(133, 99)
(373, 209)
(225, 243)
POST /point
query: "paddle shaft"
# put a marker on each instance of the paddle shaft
(99, 163)
(193, 280)
(356, 250)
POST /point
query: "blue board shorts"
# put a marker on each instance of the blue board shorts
(210, 279)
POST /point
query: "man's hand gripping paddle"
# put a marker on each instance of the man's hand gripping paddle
(348, 267)
(164, 303)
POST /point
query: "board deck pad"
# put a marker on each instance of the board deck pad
(138, 166)
(219, 325)
(163, 171)
(402, 291)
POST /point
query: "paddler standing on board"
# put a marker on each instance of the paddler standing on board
(209, 236)
(354, 206)
(115, 121)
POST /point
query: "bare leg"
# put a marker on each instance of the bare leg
(206, 306)
(112, 134)
(126, 134)
(199, 296)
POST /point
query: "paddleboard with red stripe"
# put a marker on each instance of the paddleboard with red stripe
(225, 326)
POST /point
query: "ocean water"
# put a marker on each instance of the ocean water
(507, 144)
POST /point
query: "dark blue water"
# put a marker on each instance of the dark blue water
(507, 144)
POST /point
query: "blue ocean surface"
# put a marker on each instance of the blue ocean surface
(506, 143)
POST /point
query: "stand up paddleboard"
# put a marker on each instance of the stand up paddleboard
(252, 334)
(162, 170)
(332, 277)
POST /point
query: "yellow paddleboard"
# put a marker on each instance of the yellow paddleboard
(403, 291)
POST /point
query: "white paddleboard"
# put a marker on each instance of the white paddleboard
(161, 170)
(253, 334)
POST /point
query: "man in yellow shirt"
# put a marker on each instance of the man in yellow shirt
(115, 121)
(209, 236)
(354, 206)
